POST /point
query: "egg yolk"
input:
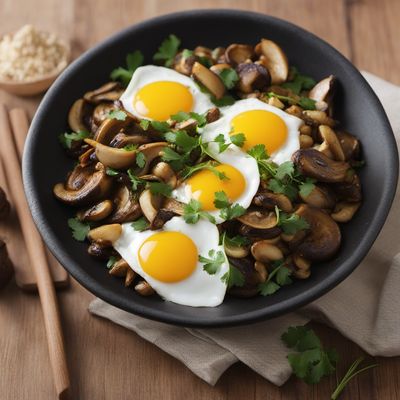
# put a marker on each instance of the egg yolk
(206, 183)
(160, 100)
(168, 256)
(260, 127)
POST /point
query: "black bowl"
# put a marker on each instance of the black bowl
(357, 107)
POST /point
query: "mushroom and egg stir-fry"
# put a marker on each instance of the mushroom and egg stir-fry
(216, 170)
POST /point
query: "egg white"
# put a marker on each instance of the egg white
(200, 289)
(151, 73)
(223, 125)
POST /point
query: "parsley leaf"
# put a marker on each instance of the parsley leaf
(222, 145)
(130, 147)
(144, 124)
(299, 82)
(173, 158)
(226, 100)
(140, 224)
(111, 171)
(228, 210)
(186, 53)
(269, 287)
(66, 138)
(311, 362)
(117, 114)
(306, 187)
(236, 241)
(133, 61)
(160, 188)
(238, 139)
(167, 51)
(210, 165)
(304, 102)
(160, 126)
(212, 264)
(111, 261)
(233, 277)
(184, 116)
(79, 229)
(192, 212)
(140, 159)
(221, 200)
(290, 223)
(279, 276)
(229, 77)
(258, 152)
(136, 181)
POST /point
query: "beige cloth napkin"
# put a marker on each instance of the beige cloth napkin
(372, 321)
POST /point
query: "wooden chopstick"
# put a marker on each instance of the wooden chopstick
(37, 256)
(27, 279)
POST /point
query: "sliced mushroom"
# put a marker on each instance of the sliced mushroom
(161, 218)
(344, 212)
(266, 252)
(87, 158)
(316, 118)
(269, 200)
(306, 141)
(275, 60)
(130, 277)
(261, 270)
(252, 77)
(105, 233)
(144, 289)
(151, 151)
(210, 80)
(324, 237)
(113, 157)
(258, 234)
(184, 65)
(320, 197)
(213, 115)
(110, 91)
(101, 111)
(251, 277)
(315, 164)
(218, 68)
(121, 140)
(295, 110)
(164, 171)
(126, 206)
(236, 251)
(329, 136)
(95, 187)
(173, 205)
(238, 53)
(108, 129)
(350, 145)
(323, 90)
(119, 269)
(275, 102)
(259, 219)
(150, 204)
(349, 190)
(97, 212)
(76, 115)
(101, 251)
(218, 55)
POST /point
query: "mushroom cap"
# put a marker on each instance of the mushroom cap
(324, 237)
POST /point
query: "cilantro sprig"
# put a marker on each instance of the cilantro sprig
(184, 116)
(304, 102)
(117, 114)
(311, 362)
(79, 229)
(133, 61)
(298, 82)
(282, 178)
(233, 277)
(208, 165)
(192, 212)
(212, 264)
(140, 224)
(278, 277)
(167, 50)
(229, 77)
(227, 209)
(290, 223)
(66, 138)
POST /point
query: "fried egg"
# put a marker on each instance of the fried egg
(261, 123)
(156, 93)
(168, 259)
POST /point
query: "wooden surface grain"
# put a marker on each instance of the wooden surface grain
(107, 361)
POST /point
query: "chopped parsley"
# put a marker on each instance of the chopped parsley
(227, 209)
(167, 51)
(229, 77)
(278, 277)
(79, 229)
(66, 138)
(290, 223)
(117, 114)
(192, 212)
(212, 264)
(233, 277)
(133, 61)
(140, 224)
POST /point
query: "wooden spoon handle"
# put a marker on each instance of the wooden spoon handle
(37, 256)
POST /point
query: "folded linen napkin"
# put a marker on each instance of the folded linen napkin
(372, 290)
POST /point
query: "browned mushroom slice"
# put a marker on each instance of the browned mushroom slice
(161, 218)
(97, 212)
(94, 187)
(332, 141)
(121, 140)
(313, 163)
(87, 157)
(110, 91)
(323, 91)
(76, 116)
(183, 64)
(109, 128)
(218, 68)
(258, 234)
(238, 53)
(350, 145)
(218, 55)
(269, 200)
(344, 212)
(324, 237)
(101, 111)
(105, 233)
(113, 157)
(173, 205)
(349, 190)
(320, 197)
(236, 251)
(150, 204)
(259, 219)
(317, 117)
(101, 251)
(251, 277)
(126, 207)
(151, 152)
(164, 171)
(252, 77)
(210, 80)
(144, 289)
(265, 252)
(275, 60)
(213, 115)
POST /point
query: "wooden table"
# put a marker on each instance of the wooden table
(109, 362)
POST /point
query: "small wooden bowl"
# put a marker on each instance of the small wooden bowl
(37, 86)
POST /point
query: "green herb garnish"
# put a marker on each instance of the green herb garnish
(167, 51)
(212, 264)
(140, 224)
(79, 229)
(124, 75)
